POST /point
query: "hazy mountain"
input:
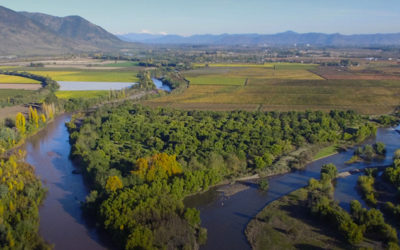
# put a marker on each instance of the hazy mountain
(138, 37)
(76, 28)
(286, 38)
(23, 33)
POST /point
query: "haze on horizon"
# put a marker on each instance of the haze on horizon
(226, 16)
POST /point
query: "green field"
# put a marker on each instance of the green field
(89, 76)
(16, 79)
(5, 93)
(82, 94)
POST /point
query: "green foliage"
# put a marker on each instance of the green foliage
(366, 185)
(21, 193)
(329, 170)
(374, 223)
(369, 152)
(145, 81)
(263, 185)
(392, 174)
(163, 155)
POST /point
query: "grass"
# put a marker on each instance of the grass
(327, 151)
(16, 79)
(5, 93)
(89, 76)
(82, 94)
(287, 224)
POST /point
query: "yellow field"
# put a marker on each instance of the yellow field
(81, 94)
(226, 75)
(90, 76)
(216, 80)
(16, 79)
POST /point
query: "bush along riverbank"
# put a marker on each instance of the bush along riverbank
(21, 193)
(310, 217)
(13, 132)
(140, 162)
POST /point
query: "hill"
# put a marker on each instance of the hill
(285, 38)
(23, 33)
(75, 28)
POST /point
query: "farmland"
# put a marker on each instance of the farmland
(284, 87)
(16, 79)
(81, 94)
(88, 75)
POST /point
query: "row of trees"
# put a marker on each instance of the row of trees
(14, 130)
(46, 82)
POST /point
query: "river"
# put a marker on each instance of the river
(160, 85)
(62, 222)
(226, 217)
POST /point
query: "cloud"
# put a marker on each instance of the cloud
(163, 33)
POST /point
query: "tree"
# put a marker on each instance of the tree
(330, 170)
(113, 183)
(20, 123)
(33, 116)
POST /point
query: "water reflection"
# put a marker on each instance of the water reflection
(61, 219)
(227, 220)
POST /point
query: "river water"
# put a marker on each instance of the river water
(226, 218)
(62, 222)
(160, 85)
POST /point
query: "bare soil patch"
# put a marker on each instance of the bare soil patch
(20, 86)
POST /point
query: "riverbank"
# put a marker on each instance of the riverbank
(287, 223)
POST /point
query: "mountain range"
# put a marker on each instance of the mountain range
(24, 33)
(285, 38)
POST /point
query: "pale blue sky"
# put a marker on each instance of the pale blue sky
(187, 17)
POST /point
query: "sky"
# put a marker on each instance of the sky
(187, 17)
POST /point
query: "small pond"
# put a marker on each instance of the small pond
(94, 85)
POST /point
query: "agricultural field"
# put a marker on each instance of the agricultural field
(284, 89)
(5, 93)
(82, 94)
(121, 64)
(16, 79)
(89, 76)
(265, 65)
